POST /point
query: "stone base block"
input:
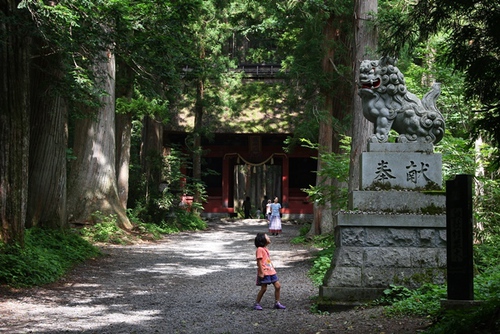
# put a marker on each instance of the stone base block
(398, 201)
(372, 254)
(389, 220)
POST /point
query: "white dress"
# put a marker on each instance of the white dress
(275, 222)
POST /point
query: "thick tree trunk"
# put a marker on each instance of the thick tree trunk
(14, 122)
(322, 217)
(197, 149)
(92, 182)
(152, 143)
(322, 213)
(48, 145)
(123, 142)
(123, 131)
(365, 48)
(337, 100)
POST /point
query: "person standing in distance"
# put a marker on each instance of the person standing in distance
(263, 206)
(275, 221)
(247, 206)
(268, 211)
(266, 273)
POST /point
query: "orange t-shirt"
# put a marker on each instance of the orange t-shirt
(265, 261)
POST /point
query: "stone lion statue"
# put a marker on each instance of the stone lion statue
(388, 105)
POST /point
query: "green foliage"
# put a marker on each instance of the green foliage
(153, 204)
(302, 237)
(461, 157)
(458, 156)
(47, 256)
(179, 220)
(424, 301)
(186, 220)
(106, 230)
(487, 253)
(316, 309)
(142, 106)
(393, 294)
(321, 264)
(323, 258)
(486, 210)
(334, 166)
(480, 319)
(458, 23)
(487, 283)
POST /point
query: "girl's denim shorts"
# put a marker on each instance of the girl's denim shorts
(268, 279)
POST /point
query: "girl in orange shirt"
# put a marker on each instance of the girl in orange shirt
(266, 274)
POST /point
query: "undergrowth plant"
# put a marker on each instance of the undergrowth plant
(105, 230)
(323, 258)
(49, 254)
(424, 301)
(46, 256)
(335, 166)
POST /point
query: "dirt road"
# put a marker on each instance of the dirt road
(196, 282)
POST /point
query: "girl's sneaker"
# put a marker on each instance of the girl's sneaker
(257, 307)
(279, 306)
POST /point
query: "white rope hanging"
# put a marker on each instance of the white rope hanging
(239, 158)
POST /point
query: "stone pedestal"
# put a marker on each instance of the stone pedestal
(395, 229)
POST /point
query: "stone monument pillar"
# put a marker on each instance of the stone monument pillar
(394, 231)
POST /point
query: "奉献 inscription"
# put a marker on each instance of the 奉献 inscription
(409, 170)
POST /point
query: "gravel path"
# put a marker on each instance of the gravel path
(196, 282)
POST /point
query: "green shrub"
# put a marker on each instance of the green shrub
(424, 301)
(302, 237)
(105, 231)
(320, 266)
(183, 220)
(46, 256)
(487, 253)
(481, 319)
(487, 284)
(393, 294)
(322, 259)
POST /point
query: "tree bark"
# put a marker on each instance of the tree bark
(48, 145)
(14, 122)
(123, 142)
(124, 89)
(92, 182)
(197, 149)
(321, 212)
(365, 38)
(152, 143)
(337, 100)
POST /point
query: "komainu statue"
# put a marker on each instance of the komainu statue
(388, 105)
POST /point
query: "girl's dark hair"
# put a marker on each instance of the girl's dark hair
(260, 240)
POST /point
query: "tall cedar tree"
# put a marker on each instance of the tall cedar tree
(15, 44)
(365, 47)
(92, 180)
